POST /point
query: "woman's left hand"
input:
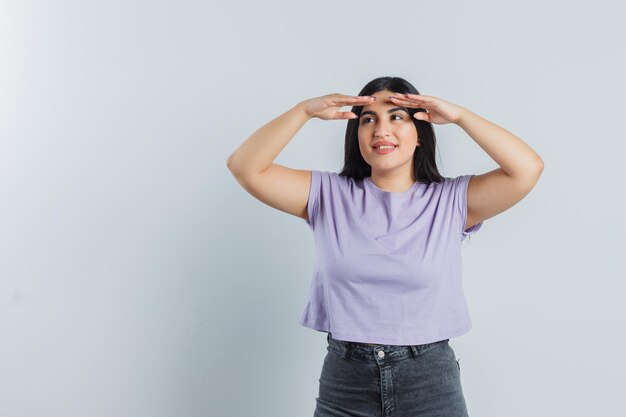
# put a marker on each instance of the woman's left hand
(439, 111)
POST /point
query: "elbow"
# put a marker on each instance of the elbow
(535, 173)
(531, 174)
(230, 164)
(535, 166)
(234, 169)
(231, 167)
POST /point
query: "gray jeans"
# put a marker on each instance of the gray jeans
(358, 380)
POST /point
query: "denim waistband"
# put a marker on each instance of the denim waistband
(372, 354)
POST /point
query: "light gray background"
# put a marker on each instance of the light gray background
(137, 278)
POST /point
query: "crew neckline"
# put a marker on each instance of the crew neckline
(380, 191)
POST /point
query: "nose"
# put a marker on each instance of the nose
(382, 129)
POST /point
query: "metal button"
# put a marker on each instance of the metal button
(381, 354)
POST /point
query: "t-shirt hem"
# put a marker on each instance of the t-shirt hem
(407, 340)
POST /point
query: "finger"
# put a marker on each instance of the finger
(413, 105)
(356, 98)
(418, 96)
(353, 100)
(341, 115)
(412, 98)
(422, 116)
(412, 102)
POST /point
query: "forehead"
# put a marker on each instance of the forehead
(382, 102)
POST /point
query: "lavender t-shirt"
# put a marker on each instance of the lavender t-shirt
(388, 268)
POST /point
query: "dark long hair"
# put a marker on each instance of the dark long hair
(424, 165)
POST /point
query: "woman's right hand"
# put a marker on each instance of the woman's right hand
(327, 107)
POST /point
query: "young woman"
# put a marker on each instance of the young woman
(387, 287)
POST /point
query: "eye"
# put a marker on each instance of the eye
(364, 120)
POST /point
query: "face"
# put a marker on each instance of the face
(384, 120)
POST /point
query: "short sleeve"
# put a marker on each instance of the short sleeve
(460, 193)
(313, 202)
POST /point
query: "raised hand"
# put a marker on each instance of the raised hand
(438, 110)
(327, 107)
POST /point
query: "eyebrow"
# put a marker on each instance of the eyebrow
(388, 111)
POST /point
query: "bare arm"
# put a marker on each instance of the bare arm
(514, 156)
(495, 191)
(258, 152)
(252, 165)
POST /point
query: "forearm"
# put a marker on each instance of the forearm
(258, 152)
(513, 155)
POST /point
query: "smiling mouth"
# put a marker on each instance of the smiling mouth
(385, 150)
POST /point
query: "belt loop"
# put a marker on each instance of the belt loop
(415, 352)
(346, 354)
